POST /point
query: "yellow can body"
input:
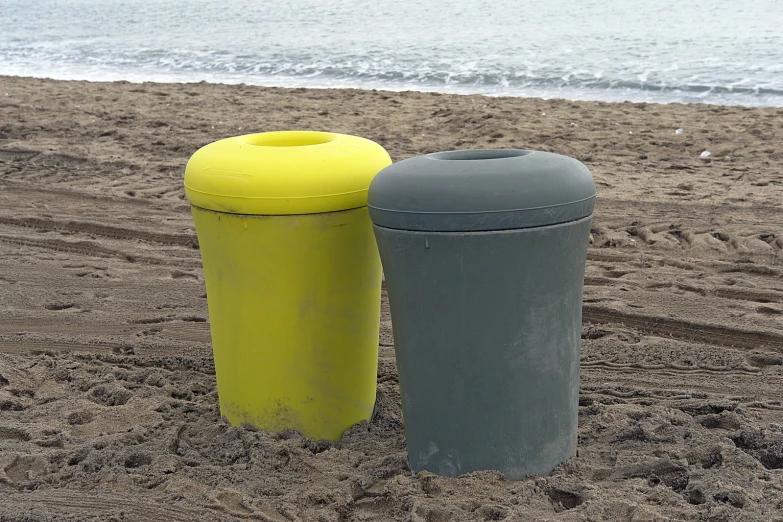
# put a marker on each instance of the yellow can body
(294, 298)
(294, 305)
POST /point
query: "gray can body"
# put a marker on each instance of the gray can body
(487, 334)
(486, 301)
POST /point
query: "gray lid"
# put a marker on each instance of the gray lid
(491, 189)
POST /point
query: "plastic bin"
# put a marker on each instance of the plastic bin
(484, 256)
(293, 277)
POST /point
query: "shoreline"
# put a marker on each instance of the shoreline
(398, 89)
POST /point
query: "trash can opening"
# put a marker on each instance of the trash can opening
(288, 138)
(479, 154)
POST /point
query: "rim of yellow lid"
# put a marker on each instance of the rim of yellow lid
(284, 173)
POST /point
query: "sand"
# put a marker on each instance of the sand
(108, 405)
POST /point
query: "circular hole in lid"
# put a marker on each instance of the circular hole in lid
(480, 154)
(288, 139)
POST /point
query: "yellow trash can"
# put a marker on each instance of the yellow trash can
(293, 277)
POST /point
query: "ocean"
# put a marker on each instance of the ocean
(698, 51)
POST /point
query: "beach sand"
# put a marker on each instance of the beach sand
(108, 405)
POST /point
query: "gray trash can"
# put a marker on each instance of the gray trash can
(484, 256)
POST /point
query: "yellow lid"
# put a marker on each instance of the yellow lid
(288, 172)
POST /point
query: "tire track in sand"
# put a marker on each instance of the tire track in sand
(109, 231)
(685, 330)
(103, 504)
(88, 248)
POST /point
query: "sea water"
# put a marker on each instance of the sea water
(712, 51)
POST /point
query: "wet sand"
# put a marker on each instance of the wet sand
(108, 406)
